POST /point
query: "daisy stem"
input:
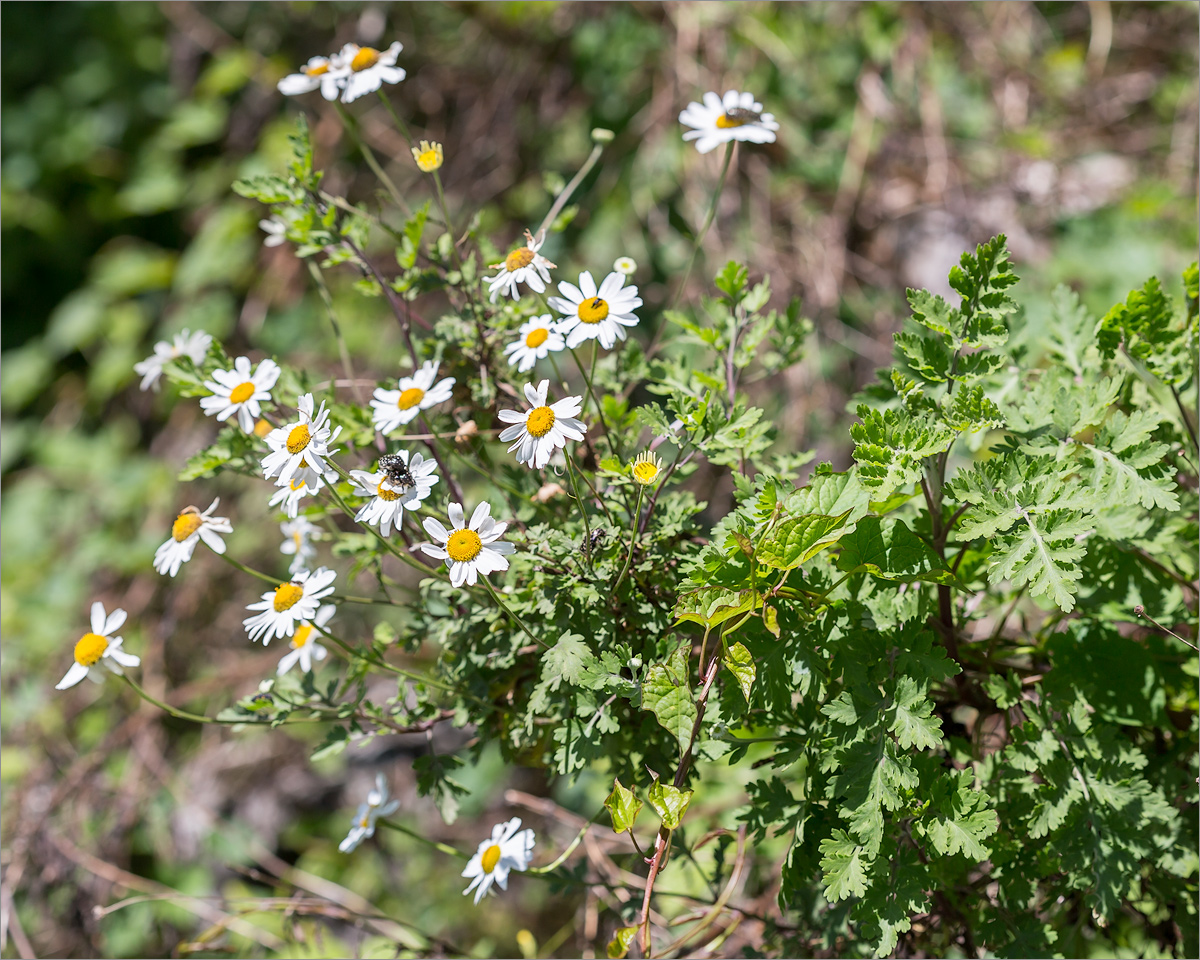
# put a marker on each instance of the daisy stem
(708, 219)
(250, 570)
(351, 126)
(400, 124)
(633, 536)
(319, 279)
(442, 847)
(554, 363)
(561, 200)
(592, 393)
(198, 718)
(563, 856)
(517, 620)
(587, 532)
(451, 482)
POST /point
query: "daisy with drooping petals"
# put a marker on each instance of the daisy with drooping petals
(390, 495)
(544, 427)
(736, 116)
(468, 549)
(394, 408)
(429, 156)
(304, 442)
(596, 314)
(289, 604)
(99, 647)
(327, 73)
(646, 468)
(523, 265)
(510, 848)
(305, 648)
(537, 338)
(377, 806)
(189, 528)
(305, 482)
(299, 543)
(368, 69)
(194, 346)
(239, 391)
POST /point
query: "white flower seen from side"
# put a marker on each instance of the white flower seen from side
(324, 73)
(98, 647)
(377, 805)
(304, 442)
(736, 116)
(391, 492)
(194, 346)
(543, 428)
(298, 543)
(596, 314)
(468, 549)
(536, 339)
(394, 408)
(289, 604)
(367, 69)
(523, 265)
(509, 848)
(626, 266)
(189, 528)
(240, 391)
(305, 648)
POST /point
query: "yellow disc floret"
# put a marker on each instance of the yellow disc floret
(303, 632)
(366, 58)
(646, 468)
(241, 393)
(386, 493)
(429, 156)
(187, 523)
(539, 421)
(593, 311)
(317, 69)
(287, 595)
(491, 857)
(463, 546)
(521, 257)
(535, 338)
(262, 427)
(90, 648)
(410, 398)
(298, 439)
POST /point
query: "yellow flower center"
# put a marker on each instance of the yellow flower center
(593, 311)
(90, 648)
(303, 632)
(737, 117)
(491, 857)
(521, 257)
(186, 524)
(317, 69)
(365, 821)
(535, 338)
(386, 493)
(298, 439)
(645, 471)
(241, 393)
(463, 546)
(366, 58)
(261, 428)
(410, 398)
(287, 595)
(539, 421)
(429, 160)
(725, 121)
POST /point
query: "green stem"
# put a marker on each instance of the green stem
(352, 128)
(441, 847)
(400, 124)
(198, 718)
(250, 570)
(337, 330)
(587, 532)
(592, 393)
(633, 536)
(561, 859)
(517, 620)
(561, 200)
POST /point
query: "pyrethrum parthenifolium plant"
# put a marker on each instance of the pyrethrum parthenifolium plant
(931, 662)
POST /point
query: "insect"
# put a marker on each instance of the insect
(396, 471)
(596, 540)
(742, 116)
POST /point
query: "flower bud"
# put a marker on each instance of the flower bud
(601, 135)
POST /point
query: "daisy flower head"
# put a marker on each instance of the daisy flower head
(377, 805)
(522, 265)
(289, 604)
(509, 848)
(189, 528)
(646, 468)
(596, 314)
(305, 648)
(298, 545)
(536, 339)
(367, 69)
(626, 266)
(543, 428)
(394, 408)
(468, 549)
(98, 647)
(401, 483)
(325, 73)
(736, 116)
(305, 442)
(194, 346)
(239, 391)
(429, 156)
(305, 482)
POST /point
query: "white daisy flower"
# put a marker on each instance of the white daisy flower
(543, 428)
(537, 337)
(377, 805)
(189, 528)
(510, 848)
(305, 648)
(99, 647)
(523, 265)
(291, 493)
(394, 408)
(239, 391)
(736, 116)
(626, 266)
(401, 483)
(469, 550)
(369, 69)
(288, 604)
(194, 346)
(591, 314)
(327, 73)
(299, 543)
(304, 442)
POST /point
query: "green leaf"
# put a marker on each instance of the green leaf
(669, 802)
(886, 548)
(889, 446)
(619, 945)
(667, 694)
(623, 806)
(795, 540)
(739, 662)
(568, 659)
(844, 867)
(336, 740)
(731, 281)
(970, 411)
(911, 720)
(712, 606)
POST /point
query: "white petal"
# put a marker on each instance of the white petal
(98, 618)
(77, 672)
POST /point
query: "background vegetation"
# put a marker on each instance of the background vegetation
(909, 133)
